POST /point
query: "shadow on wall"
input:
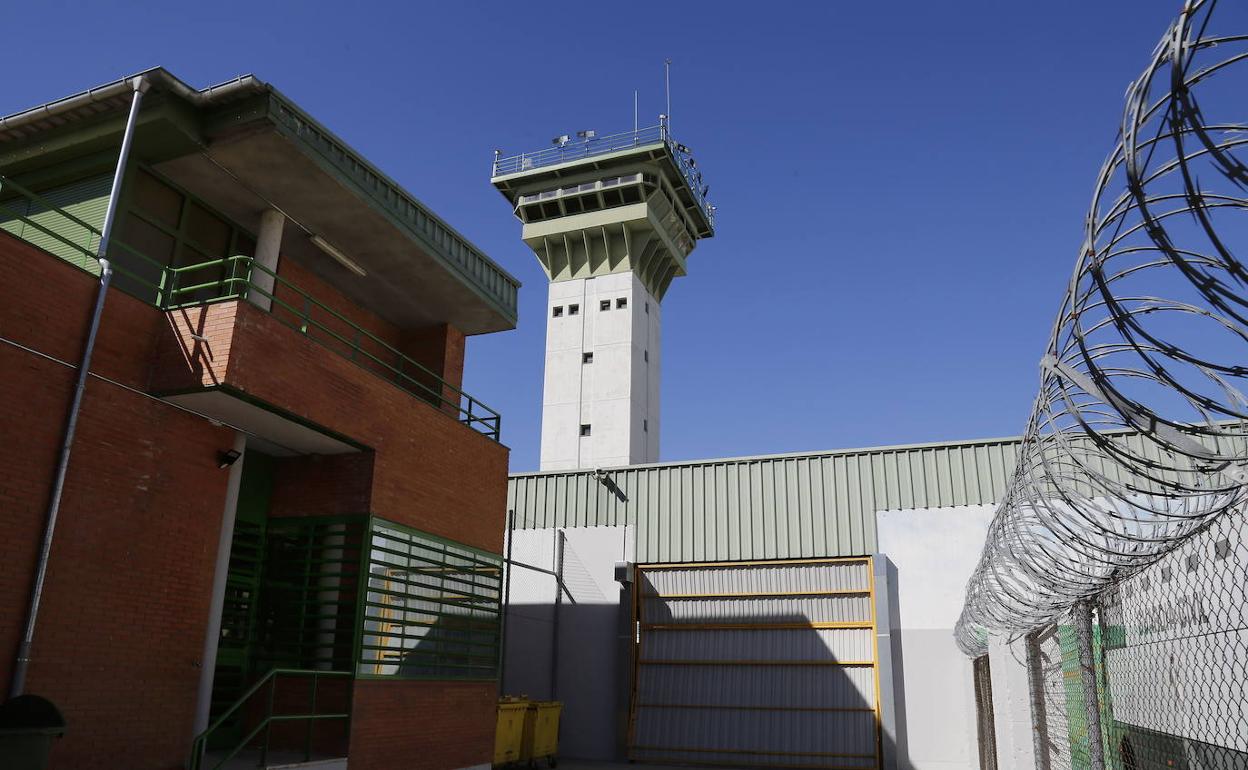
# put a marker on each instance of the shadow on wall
(591, 676)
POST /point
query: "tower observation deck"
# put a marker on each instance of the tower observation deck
(612, 220)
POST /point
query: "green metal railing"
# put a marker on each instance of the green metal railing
(265, 724)
(236, 278)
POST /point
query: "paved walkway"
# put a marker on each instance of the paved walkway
(577, 764)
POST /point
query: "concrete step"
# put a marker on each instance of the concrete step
(249, 759)
(338, 763)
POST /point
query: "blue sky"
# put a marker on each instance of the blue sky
(900, 186)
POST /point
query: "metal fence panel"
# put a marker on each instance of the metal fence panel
(762, 664)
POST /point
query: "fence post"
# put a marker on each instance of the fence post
(502, 625)
(1082, 615)
(554, 633)
(1035, 688)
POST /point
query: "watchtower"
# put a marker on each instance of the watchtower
(612, 220)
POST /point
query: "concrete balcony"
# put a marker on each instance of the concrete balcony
(212, 307)
(202, 303)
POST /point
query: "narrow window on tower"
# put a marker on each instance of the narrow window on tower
(587, 358)
(604, 305)
(645, 354)
(622, 302)
(585, 429)
(645, 426)
(647, 308)
(574, 309)
(557, 311)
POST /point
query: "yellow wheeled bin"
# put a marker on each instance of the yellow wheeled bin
(509, 734)
(541, 732)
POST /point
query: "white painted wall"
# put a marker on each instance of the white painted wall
(618, 394)
(592, 676)
(1011, 704)
(934, 551)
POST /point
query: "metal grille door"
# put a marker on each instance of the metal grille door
(767, 664)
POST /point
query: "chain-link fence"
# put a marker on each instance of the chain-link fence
(1168, 654)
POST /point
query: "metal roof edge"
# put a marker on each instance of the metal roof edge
(158, 76)
(210, 96)
(886, 449)
(384, 178)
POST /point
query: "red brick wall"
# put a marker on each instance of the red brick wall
(418, 725)
(439, 349)
(125, 604)
(308, 282)
(430, 472)
(126, 600)
(192, 348)
(324, 485)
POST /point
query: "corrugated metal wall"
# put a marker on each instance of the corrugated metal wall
(779, 507)
(756, 664)
(85, 199)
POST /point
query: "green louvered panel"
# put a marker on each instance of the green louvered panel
(10, 211)
(86, 200)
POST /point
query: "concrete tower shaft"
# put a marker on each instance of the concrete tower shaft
(612, 221)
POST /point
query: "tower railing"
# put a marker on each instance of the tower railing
(601, 145)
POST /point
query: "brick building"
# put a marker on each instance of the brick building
(274, 469)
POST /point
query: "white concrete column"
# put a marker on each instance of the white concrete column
(225, 542)
(602, 372)
(268, 246)
(884, 575)
(1011, 704)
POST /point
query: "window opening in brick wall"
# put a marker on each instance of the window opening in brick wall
(585, 429)
(557, 311)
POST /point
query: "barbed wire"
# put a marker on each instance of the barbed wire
(1137, 439)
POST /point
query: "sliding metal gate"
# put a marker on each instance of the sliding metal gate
(768, 664)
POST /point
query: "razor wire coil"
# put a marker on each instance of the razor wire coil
(1138, 437)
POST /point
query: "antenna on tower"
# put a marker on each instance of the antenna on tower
(667, 89)
(634, 111)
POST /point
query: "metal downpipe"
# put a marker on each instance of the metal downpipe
(17, 684)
